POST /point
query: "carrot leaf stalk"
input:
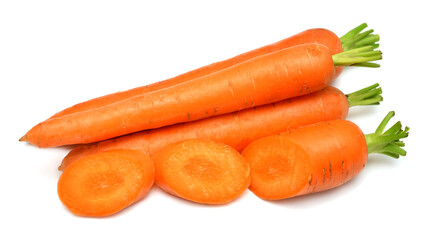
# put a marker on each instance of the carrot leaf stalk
(370, 95)
(358, 57)
(355, 38)
(387, 142)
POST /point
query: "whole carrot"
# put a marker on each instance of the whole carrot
(317, 157)
(265, 79)
(353, 39)
(243, 127)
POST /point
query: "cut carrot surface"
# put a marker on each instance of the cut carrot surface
(202, 171)
(282, 169)
(103, 184)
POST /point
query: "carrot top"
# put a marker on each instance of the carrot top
(355, 38)
(360, 57)
(360, 44)
(370, 95)
(387, 142)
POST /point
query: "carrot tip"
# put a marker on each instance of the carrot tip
(23, 138)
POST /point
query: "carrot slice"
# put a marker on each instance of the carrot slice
(202, 171)
(277, 165)
(103, 184)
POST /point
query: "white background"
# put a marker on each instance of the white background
(56, 53)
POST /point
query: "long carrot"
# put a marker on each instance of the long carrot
(202, 171)
(353, 39)
(266, 79)
(103, 184)
(241, 128)
(317, 157)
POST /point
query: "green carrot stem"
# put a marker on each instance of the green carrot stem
(346, 45)
(358, 56)
(351, 59)
(370, 95)
(367, 40)
(387, 142)
(368, 54)
(352, 33)
(355, 38)
(384, 122)
(356, 50)
(367, 64)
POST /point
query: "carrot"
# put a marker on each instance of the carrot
(103, 184)
(317, 157)
(354, 38)
(202, 171)
(241, 128)
(266, 79)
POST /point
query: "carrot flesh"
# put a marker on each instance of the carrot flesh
(202, 171)
(316, 35)
(269, 78)
(103, 184)
(275, 167)
(327, 104)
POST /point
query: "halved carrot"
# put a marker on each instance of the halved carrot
(103, 184)
(327, 104)
(317, 157)
(284, 74)
(202, 171)
(352, 39)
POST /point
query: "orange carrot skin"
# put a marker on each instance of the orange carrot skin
(234, 129)
(103, 184)
(337, 152)
(269, 78)
(339, 155)
(316, 35)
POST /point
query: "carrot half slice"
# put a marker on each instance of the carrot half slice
(105, 183)
(317, 157)
(202, 171)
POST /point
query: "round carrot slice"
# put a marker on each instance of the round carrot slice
(202, 171)
(103, 184)
(279, 170)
